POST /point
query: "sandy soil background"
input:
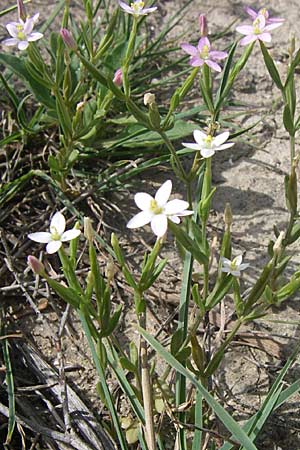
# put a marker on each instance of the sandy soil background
(250, 177)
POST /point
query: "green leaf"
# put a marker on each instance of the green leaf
(231, 425)
(288, 120)
(219, 292)
(188, 243)
(272, 69)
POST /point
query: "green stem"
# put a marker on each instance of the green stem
(292, 148)
(174, 155)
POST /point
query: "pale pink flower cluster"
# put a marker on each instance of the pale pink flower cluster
(260, 28)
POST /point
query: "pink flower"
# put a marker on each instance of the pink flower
(258, 31)
(118, 77)
(68, 39)
(263, 12)
(202, 54)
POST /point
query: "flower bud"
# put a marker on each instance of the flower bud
(80, 106)
(277, 247)
(203, 25)
(110, 270)
(118, 77)
(228, 215)
(88, 229)
(21, 10)
(149, 99)
(68, 39)
(36, 265)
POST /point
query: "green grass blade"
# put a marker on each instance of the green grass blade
(237, 432)
(10, 391)
(102, 377)
(197, 440)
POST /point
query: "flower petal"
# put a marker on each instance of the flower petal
(199, 136)
(28, 26)
(187, 212)
(238, 259)
(69, 235)
(213, 65)
(140, 219)
(207, 152)
(53, 247)
(248, 39)
(224, 146)
(244, 266)
(221, 138)
(35, 36)
(252, 13)
(190, 49)
(163, 193)
(42, 237)
(225, 261)
(22, 45)
(245, 29)
(217, 55)
(204, 41)
(143, 200)
(266, 37)
(175, 206)
(159, 225)
(191, 145)
(174, 219)
(10, 42)
(12, 29)
(272, 26)
(126, 7)
(149, 10)
(196, 61)
(58, 223)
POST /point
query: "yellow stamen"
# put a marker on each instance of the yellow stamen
(208, 139)
(154, 208)
(204, 52)
(256, 28)
(54, 234)
(137, 6)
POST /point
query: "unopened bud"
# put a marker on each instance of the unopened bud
(36, 265)
(277, 247)
(68, 39)
(80, 106)
(21, 10)
(203, 25)
(88, 229)
(110, 270)
(149, 99)
(228, 215)
(292, 45)
(118, 77)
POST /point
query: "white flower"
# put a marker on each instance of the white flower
(233, 267)
(208, 144)
(57, 234)
(158, 210)
(137, 8)
(22, 33)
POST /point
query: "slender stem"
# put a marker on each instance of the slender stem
(174, 154)
(292, 148)
(146, 388)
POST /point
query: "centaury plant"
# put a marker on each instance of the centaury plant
(187, 404)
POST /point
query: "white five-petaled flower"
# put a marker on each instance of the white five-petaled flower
(158, 210)
(137, 8)
(233, 267)
(57, 234)
(22, 32)
(207, 144)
